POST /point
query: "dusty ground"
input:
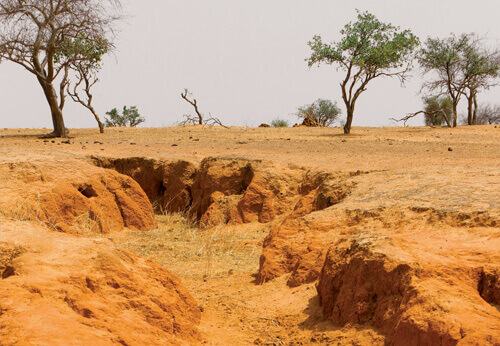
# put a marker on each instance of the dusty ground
(473, 147)
(441, 169)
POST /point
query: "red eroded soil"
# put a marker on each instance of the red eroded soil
(302, 236)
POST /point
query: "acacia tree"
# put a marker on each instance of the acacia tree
(458, 65)
(368, 49)
(34, 33)
(481, 69)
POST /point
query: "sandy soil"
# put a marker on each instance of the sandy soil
(457, 169)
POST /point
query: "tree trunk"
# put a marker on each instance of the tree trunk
(347, 126)
(454, 114)
(469, 109)
(474, 114)
(56, 112)
(99, 122)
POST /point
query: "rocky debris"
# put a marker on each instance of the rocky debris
(61, 289)
(73, 196)
(264, 125)
(414, 297)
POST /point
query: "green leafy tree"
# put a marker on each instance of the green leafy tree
(322, 112)
(368, 49)
(130, 116)
(460, 67)
(438, 110)
(35, 33)
(481, 70)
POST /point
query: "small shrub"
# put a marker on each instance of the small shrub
(130, 116)
(436, 109)
(279, 123)
(321, 112)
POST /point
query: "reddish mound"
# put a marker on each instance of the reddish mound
(67, 290)
(416, 299)
(72, 196)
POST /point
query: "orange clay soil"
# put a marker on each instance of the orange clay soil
(281, 236)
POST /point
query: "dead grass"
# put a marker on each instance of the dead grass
(179, 245)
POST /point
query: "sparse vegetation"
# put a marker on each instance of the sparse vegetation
(438, 110)
(129, 117)
(488, 114)
(199, 118)
(35, 35)
(196, 253)
(322, 112)
(279, 123)
(461, 67)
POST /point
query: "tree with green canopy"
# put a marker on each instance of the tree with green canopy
(461, 67)
(40, 35)
(481, 69)
(367, 50)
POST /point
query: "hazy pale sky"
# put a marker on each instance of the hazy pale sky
(244, 61)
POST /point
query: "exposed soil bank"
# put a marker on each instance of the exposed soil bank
(406, 254)
(60, 289)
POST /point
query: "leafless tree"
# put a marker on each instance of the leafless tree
(35, 33)
(488, 114)
(412, 115)
(86, 78)
(186, 95)
(199, 118)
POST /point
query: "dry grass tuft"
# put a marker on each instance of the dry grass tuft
(183, 248)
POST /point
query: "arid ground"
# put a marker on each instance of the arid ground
(267, 236)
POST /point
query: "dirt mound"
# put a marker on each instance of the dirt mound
(298, 245)
(61, 289)
(415, 297)
(73, 196)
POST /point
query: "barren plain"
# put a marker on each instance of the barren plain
(267, 236)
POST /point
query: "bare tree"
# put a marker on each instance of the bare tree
(86, 79)
(35, 33)
(185, 95)
(199, 118)
(488, 114)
